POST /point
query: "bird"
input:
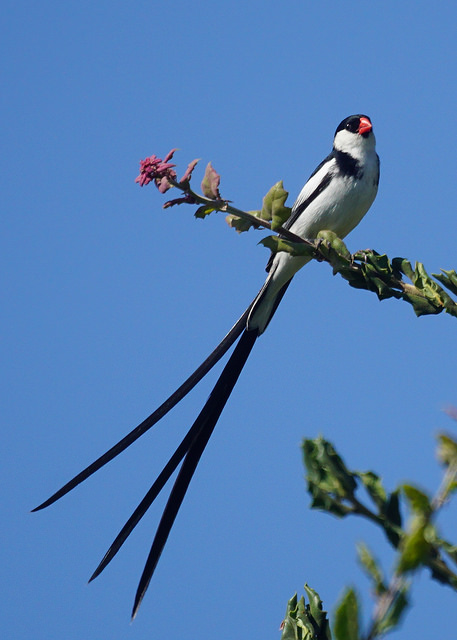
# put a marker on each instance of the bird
(336, 197)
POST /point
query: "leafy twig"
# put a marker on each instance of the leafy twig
(367, 270)
(333, 488)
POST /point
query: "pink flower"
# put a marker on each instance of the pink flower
(161, 171)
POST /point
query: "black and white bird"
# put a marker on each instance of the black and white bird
(336, 197)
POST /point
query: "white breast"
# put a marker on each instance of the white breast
(338, 208)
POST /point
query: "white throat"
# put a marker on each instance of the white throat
(354, 144)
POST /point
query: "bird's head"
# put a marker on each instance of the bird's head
(354, 135)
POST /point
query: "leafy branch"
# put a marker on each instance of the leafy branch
(335, 489)
(367, 269)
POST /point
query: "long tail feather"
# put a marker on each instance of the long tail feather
(203, 428)
(148, 499)
(159, 413)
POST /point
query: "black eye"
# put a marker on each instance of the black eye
(353, 125)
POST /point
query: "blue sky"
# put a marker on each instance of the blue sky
(110, 302)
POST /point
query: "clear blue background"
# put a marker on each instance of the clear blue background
(109, 302)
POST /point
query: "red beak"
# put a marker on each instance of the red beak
(365, 125)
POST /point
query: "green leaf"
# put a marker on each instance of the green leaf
(380, 262)
(289, 624)
(381, 289)
(379, 274)
(305, 622)
(415, 548)
(447, 450)
(371, 567)
(373, 485)
(392, 509)
(402, 266)
(241, 224)
(432, 298)
(392, 519)
(273, 208)
(346, 625)
(420, 305)
(418, 500)
(210, 183)
(432, 292)
(275, 244)
(448, 279)
(204, 211)
(317, 614)
(330, 241)
(330, 483)
(333, 249)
